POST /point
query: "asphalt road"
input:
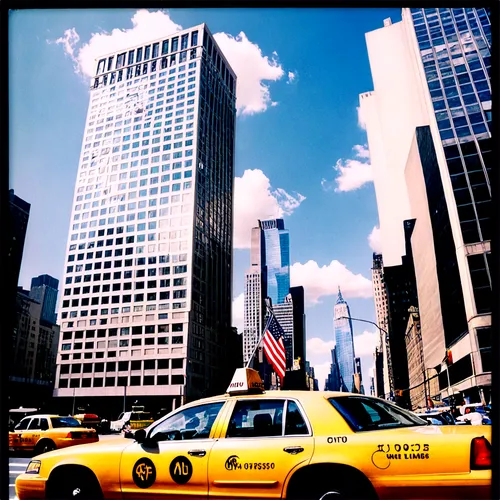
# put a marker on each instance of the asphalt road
(19, 461)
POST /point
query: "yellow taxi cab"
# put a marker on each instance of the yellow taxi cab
(251, 443)
(43, 433)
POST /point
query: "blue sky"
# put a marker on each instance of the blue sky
(300, 150)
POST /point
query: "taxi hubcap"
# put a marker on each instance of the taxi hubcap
(330, 495)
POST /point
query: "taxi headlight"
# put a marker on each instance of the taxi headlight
(33, 467)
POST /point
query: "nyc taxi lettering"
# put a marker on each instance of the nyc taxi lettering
(382, 457)
(233, 463)
(144, 473)
(181, 470)
(336, 439)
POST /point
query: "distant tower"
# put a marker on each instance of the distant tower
(344, 342)
(44, 290)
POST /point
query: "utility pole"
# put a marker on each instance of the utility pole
(387, 343)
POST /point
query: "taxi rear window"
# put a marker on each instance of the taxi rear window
(368, 414)
(58, 422)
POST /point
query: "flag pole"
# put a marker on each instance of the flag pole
(258, 344)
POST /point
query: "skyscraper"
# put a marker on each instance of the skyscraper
(344, 343)
(44, 289)
(268, 276)
(428, 124)
(333, 382)
(147, 284)
(382, 311)
(277, 249)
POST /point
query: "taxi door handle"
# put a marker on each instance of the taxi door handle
(197, 453)
(293, 450)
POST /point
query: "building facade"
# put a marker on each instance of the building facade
(385, 378)
(33, 364)
(344, 343)
(439, 157)
(333, 382)
(44, 289)
(147, 295)
(277, 251)
(284, 314)
(268, 277)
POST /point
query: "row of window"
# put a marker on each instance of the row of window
(123, 366)
(134, 380)
(149, 51)
(144, 69)
(113, 344)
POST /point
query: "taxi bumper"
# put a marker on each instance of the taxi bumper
(30, 486)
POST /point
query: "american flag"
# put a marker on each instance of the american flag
(274, 347)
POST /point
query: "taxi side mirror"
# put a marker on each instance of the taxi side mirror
(140, 435)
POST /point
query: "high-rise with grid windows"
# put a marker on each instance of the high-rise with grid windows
(146, 303)
(428, 123)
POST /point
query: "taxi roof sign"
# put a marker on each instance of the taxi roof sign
(245, 380)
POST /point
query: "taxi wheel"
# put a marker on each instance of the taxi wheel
(44, 446)
(73, 483)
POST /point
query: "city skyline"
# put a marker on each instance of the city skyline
(282, 86)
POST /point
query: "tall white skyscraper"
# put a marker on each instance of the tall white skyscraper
(146, 302)
(428, 124)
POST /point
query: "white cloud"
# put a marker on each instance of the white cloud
(375, 239)
(291, 77)
(361, 120)
(365, 343)
(238, 310)
(353, 174)
(325, 280)
(361, 151)
(146, 26)
(252, 68)
(254, 199)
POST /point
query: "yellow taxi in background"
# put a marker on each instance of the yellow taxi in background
(251, 443)
(43, 433)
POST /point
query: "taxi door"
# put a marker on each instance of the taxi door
(263, 442)
(173, 461)
(26, 433)
(19, 434)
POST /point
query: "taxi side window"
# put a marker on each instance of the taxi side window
(23, 424)
(256, 419)
(191, 423)
(34, 424)
(295, 423)
(44, 424)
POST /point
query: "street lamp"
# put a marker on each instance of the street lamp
(389, 363)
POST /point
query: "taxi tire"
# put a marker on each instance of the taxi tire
(325, 482)
(44, 446)
(66, 480)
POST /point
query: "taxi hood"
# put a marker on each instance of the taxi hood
(112, 445)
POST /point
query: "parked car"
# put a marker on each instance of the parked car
(132, 420)
(90, 420)
(274, 444)
(440, 417)
(42, 433)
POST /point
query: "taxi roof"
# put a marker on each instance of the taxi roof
(48, 415)
(296, 394)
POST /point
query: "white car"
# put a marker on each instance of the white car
(118, 425)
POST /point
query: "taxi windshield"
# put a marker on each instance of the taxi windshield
(368, 414)
(58, 422)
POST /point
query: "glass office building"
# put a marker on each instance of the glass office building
(44, 289)
(277, 255)
(344, 343)
(146, 304)
(432, 96)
